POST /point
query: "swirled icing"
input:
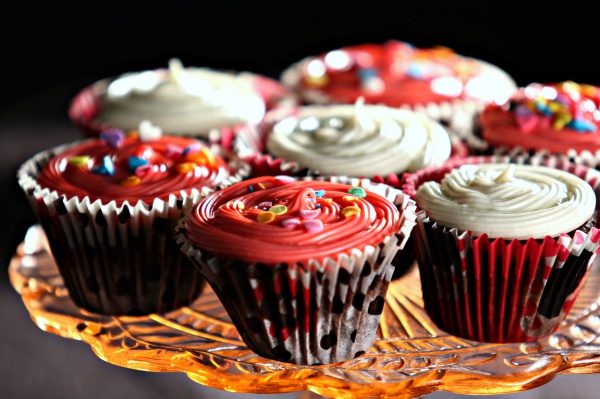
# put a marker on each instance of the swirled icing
(508, 201)
(182, 100)
(396, 73)
(555, 117)
(358, 140)
(166, 170)
(226, 224)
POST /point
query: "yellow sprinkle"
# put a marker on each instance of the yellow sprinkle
(278, 209)
(185, 167)
(327, 200)
(316, 80)
(239, 205)
(261, 186)
(265, 217)
(81, 160)
(555, 106)
(130, 181)
(350, 211)
(561, 121)
(349, 198)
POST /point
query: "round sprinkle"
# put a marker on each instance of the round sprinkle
(320, 193)
(130, 181)
(266, 204)
(81, 160)
(261, 186)
(350, 198)
(313, 226)
(284, 179)
(290, 223)
(185, 167)
(278, 209)
(265, 217)
(239, 205)
(350, 211)
(358, 191)
(308, 214)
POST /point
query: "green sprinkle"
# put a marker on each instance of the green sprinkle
(278, 209)
(357, 191)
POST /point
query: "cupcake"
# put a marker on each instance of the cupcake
(301, 267)
(435, 81)
(503, 249)
(109, 207)
(350, 140)
(553, 118)
(189, 101)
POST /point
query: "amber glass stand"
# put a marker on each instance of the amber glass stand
(411, 357)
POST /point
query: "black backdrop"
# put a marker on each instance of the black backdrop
(49, 50)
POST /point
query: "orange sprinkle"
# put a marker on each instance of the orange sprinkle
(130, 181)
(349, 198)
(261, 186)
(327, 200)
(265, 217)
(133, 134)
(350, 211)
(185, 167)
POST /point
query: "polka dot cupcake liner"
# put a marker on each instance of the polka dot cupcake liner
(118, 260)
(327, 313)
(495, 290)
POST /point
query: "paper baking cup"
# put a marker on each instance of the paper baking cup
(250, 145)
(496, 290)
(119, 260)
(86, 106)
(327, 313)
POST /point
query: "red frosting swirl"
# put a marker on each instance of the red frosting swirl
(161, 167)
(315, 224)
(396, 74)
(555, 117)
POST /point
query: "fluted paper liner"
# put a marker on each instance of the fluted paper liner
(326, 313)
(496, 290)
(119, 260)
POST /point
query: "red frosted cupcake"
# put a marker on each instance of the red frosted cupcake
(436, 81)
(503, 249)
(551, 118)
(109, 207)
(302, 267)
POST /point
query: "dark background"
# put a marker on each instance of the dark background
(50, 50)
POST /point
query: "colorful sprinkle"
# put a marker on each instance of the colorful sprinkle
(136, 162)
(113, 137)
(185, 167)
(130, 181)
(350, 198)
(313, 226)
(327, 200)
(320, 193)
(357, 191)
(350, 211)
(265, 217)
(261, 186)
(266, 204)
(284, 179)
(142, 171)
(308, 214)
(250, 189)
(174, 151)
(191, 149)
(239, 205)
(278, 209)
(318, 206)
(81, 160)
(107, 167)
(290, 223)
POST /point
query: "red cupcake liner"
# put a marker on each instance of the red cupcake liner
(496, 290)
(87, 105)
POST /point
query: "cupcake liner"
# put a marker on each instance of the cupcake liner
(87, 105)
(250, 145)
(117, 259)
(497, 290)
(326, 313)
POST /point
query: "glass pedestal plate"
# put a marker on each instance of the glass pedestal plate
(411, 357)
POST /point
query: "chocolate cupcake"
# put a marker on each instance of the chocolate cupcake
(109, 207)
(503, 249)
(302, 267)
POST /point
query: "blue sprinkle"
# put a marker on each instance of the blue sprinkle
(251, 189)
(107, 167)
(582, 125)
(190, 148)
(416, 71)
(265, 209)
(312, 200)
(366, 73)
(320, 193)
(136, 162)
(543, 109)
(318, 206)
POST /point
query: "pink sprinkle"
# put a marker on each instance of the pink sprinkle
(143, 170)
(308, 214)
(578, 238)
(266, 204)
(313, 226)
(174, 150)
(290, 223)
(284, 179)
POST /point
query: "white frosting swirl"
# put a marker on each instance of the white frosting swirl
(359, 140)
(182, 100)
(509, 201)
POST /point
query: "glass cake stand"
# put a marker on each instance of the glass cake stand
(411, 357)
